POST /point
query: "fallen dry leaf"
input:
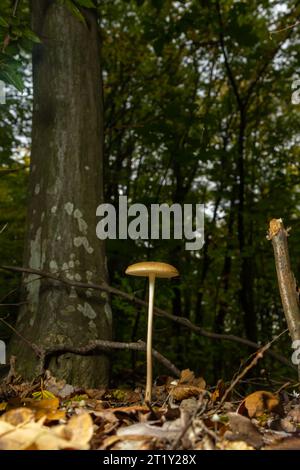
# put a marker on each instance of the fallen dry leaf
(34, 435)
(290, 443)
(234, 445)
(260, 402)
(78, 430)
(291, 423)
(18, 416)
(187, 386)
(182, 392)
(218, 391)
(59, 388)
(187, 377)
(128, 443)
(169, 430)
(20, 438)
(244, 430)
(46, 408)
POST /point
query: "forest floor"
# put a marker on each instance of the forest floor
(49, 415)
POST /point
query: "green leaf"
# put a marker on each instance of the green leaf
(11, 76)
(3, 22)
(86, 3)
(75, 10)
(29, 34)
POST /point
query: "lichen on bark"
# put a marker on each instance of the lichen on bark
(67, 137)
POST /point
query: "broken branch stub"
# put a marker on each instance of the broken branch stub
(286, 280)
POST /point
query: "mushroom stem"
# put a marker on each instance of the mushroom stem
(148, 394)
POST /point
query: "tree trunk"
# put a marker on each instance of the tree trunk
(65, 189)
(246, 275)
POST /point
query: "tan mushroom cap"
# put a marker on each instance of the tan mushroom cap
(147, 268)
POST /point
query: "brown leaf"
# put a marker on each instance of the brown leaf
(187, 386)
(187, 377)
(260, 402)
(34, 435)
(18, 416)
(244, 430)
(58, 387)
(128, 443)
(219, 391)
(182, 392)
(78, 430)
(128, 409)
(169, 430)
(96, 393)
(291, 443)
(234, 445)
(19, 438)
(291, 422)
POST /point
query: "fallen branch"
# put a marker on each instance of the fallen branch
(43, 354)
(158, 311)
(102, 345)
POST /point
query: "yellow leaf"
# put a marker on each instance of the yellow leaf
(43, 394)
(45, 404)
(45, 408)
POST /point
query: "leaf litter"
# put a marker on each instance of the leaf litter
(185, 414)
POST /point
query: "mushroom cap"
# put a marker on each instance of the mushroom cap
(148, 268)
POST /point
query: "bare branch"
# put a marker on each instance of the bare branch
(102, 345)
(286, 280)
(158, 311)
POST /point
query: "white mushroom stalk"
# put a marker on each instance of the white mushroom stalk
(148, 394)
(151, 269)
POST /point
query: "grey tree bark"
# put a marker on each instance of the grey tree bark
(65, 188)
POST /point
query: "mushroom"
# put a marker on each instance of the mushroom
(151, 269)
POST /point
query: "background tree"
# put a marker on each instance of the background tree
(65, 189)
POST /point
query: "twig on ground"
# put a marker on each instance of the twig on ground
(258, 355)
